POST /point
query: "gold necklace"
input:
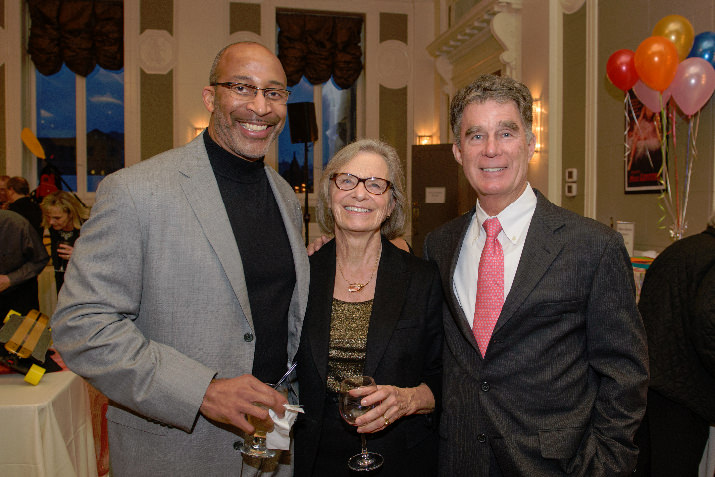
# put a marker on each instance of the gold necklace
(356, 287)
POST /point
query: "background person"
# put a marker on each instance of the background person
(3, 192)
(22, 258)
(677, 303)
(175, 307)
(19, 200)
(545, 363)
(63, 215)
(374, 310)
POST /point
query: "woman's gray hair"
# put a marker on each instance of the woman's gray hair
(394, 225)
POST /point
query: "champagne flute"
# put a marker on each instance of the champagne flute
(351, 409)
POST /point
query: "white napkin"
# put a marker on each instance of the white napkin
(279, 437)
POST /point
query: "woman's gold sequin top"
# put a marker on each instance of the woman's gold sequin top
(348, 341)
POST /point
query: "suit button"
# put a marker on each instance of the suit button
(248, 337)
(485, 386)
(482, 438)
(237, 445)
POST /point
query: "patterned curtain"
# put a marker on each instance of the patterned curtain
(79, 33)
(320, 46)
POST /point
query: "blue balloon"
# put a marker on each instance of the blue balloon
(704, 47)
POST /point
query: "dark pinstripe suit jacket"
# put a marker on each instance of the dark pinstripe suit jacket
(562, 387)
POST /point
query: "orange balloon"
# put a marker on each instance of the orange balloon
(678, 30)
(656, 61)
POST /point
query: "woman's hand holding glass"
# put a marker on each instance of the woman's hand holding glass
(391, 404)
(64, 250)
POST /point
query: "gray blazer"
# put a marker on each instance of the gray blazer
(562, 387)
(154, 305)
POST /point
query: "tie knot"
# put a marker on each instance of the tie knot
(493, 227)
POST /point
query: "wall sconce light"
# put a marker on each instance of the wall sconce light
(423, 140)
(198, 130)
(537, 125)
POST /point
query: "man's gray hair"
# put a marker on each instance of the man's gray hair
(501, 89)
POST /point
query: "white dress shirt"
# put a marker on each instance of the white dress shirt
(515, 220)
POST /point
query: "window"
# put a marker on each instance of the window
(80, 124)
(323, 59)
(336, 115)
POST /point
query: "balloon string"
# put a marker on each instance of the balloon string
(666, 197)
(690, 158)
(627, 107)
(630, 152)
(678, 209)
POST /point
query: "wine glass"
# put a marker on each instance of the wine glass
(61, 265)
(255, 446)
(351, 409)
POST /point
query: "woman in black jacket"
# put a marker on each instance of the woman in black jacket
(374, 310)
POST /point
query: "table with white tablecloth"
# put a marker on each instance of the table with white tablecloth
(46, 429)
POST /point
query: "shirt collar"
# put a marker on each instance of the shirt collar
(514, 219)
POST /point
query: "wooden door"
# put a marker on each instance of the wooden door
(435, 190)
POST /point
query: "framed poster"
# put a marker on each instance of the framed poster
(644, 157)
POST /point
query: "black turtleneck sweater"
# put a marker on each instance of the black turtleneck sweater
(265, 251)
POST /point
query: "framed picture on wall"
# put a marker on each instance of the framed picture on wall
(644, 158)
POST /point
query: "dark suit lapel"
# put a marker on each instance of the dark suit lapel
(390, 291)
(317, 328)
(541, 248)
(461, 320)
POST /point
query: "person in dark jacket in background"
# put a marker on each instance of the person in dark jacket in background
(19, 200)
(22, 258)
(677, 304)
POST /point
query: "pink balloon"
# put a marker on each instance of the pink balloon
(650, 97)
(693, 84)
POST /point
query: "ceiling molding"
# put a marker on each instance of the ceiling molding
(490, 19)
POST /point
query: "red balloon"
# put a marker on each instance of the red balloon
(621, 69)
(656, 62)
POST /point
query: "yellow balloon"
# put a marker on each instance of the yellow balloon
(32, 143)
(677, 29)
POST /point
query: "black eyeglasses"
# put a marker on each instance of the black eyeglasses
(374, 185)
(247, 92)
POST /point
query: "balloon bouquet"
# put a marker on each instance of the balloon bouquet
(672, 63)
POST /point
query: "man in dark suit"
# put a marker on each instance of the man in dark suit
(546, 374)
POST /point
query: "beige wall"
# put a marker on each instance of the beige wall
(198, 32)
(535, 74)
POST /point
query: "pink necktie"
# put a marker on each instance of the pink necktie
(490, 286)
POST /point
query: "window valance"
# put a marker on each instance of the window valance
(79, 33)
(320, 46)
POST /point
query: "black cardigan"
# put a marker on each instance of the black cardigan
(677, 304)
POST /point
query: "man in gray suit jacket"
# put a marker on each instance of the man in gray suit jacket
(187, 289)
(555, 383)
